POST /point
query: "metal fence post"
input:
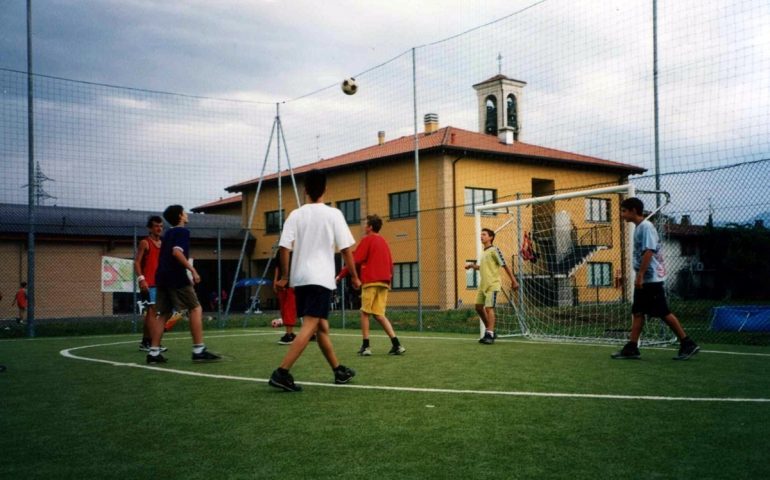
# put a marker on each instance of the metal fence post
(135, 303)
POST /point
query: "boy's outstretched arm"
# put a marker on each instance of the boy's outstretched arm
(350, 263)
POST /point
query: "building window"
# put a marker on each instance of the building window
(490, 125)
(405, 276)
(471, 275)
(512, 120)
(274, 221)
(599, 274)
(351, 210)
(597, 210)
(479, 196)
(403, 204)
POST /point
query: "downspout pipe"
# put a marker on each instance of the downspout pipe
(454, 225)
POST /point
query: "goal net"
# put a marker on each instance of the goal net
(571, 254)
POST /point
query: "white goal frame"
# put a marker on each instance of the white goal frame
(627, 189)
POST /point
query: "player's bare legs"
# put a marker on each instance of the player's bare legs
(309, 327)
(156, 325)
(149, 313)
(364, 324)
(637, 323)
(325, 343)
(490, 322)
(386, 325)
(674, 324)
(482, 314)
(196, 324)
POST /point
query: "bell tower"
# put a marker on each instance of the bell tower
(499, 100)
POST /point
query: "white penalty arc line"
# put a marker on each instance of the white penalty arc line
(67, 353)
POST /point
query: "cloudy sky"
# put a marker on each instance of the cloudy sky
(258, 49)
(587, 64)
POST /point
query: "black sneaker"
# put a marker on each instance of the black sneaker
(397, 350)
(287, 339)
(205, 356)
(365, 351)
(687, 349)
(343, 374)
(152, 360)
(487, 339)
(629, 352)
(284, 382)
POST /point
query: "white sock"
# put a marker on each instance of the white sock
(154, 351)
(199, 348)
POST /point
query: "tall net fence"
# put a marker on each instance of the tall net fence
(106, 157)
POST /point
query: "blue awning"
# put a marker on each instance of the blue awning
(252, 282)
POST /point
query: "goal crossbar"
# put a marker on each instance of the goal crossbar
(626, 188)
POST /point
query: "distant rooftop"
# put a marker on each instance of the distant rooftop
(98, 222)
(218, 204)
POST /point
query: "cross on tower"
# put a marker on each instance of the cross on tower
(500, 63)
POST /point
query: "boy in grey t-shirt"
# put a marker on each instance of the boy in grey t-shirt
(649, 294)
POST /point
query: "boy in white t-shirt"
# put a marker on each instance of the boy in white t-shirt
(311, 234)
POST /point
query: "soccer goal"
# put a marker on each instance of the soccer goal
(571, 254)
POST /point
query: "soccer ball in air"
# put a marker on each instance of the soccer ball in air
(276, 322)
(349, 86)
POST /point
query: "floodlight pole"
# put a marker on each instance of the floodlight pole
(417, 188)
(655, 96)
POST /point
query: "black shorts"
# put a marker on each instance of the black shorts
(313, 301)
(650, 300)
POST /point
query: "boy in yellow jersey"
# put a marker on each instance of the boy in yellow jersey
(492, 260)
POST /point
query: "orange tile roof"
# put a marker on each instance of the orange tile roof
(456, 140)
(222, 202)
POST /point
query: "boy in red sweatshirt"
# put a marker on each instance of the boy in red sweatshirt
(375, 263)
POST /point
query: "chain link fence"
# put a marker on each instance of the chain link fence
(105, 157)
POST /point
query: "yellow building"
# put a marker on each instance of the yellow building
(459, 170)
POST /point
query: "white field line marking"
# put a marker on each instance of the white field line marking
(182, 335)
(67, 353)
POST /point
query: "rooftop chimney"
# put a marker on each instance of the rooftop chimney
(380, 137)
(506, 135)
(685, 220)
(431, 122)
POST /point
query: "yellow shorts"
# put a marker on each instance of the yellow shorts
(488, 298)
(374, 297)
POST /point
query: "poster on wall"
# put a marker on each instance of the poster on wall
(117, 274)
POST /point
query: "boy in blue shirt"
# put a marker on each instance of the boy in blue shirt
(649, 295)
(175, 291)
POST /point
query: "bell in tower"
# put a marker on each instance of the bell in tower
(499, 100)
